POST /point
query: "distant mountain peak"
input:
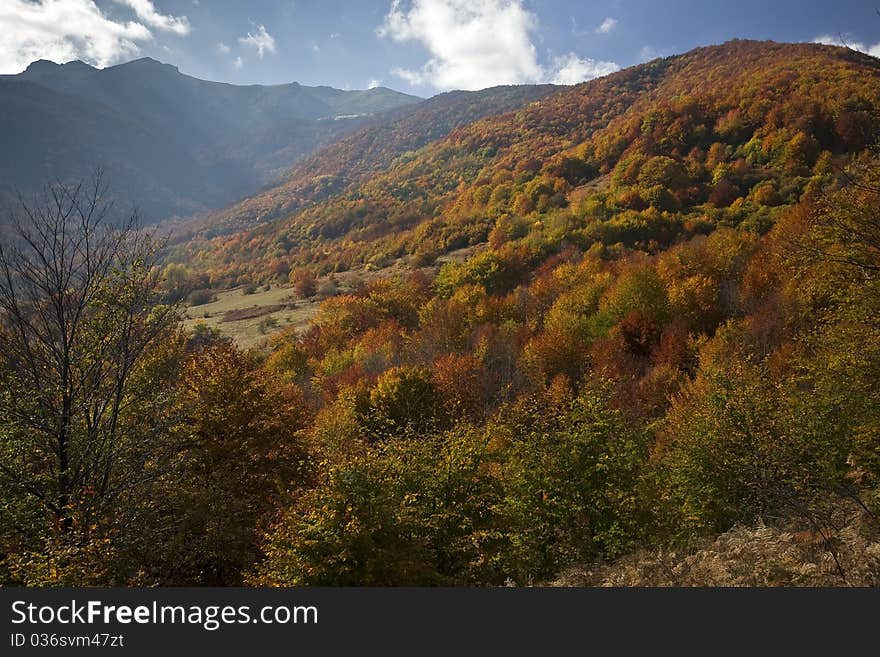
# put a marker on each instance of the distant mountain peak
(175, 145)
(46, 66)
(146, 60)
(41, 65)
(149, 63)
(78, 63)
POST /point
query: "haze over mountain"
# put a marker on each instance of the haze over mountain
(356, 157)
(172, 144)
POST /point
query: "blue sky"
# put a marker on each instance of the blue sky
(418, 46)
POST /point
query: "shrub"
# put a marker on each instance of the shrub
(200, 297)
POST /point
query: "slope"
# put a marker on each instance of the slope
(355, 158)
(717, 136)
(226, 140)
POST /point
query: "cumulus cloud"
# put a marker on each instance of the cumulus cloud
(571, 69)
(828, 40)
(145, 11)
(261, 40)
(373, 84)
(474, 44)
(223, 48)
(607, 26)
(64, 30)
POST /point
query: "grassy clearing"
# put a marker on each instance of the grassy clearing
(458, 256)
(584, 191)
(250, 318)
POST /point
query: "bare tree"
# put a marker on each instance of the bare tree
(78, 310)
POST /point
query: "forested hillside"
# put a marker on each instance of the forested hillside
(354, 159)
(727, 130)
(652, 359)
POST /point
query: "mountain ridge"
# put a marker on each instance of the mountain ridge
(732, 116)
(232, 139)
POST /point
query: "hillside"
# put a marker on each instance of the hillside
(625, 333)
(356, 158)
(658, 348)
(175, 145)
(723, 133)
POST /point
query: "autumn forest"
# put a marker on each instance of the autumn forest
(620, 333)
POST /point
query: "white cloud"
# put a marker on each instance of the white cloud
(223, 48)
(261, 40)
(145, 10)
(828, 40)
(571, 69)
(416, 78)
(372, 84)
(238, 64)
(474, 44)
(64, 30)
(607, 26)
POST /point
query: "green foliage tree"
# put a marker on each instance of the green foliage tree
(738, 446)
(404, 400)
(406, 513)
(571, 485)
(238, 457)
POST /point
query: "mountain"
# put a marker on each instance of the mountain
(719, 135)
(355, 158)
(634, 325)
(172, 144)
(624, 333)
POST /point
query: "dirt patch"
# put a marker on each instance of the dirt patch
(240, 314)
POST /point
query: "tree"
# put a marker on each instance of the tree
(844, 227)
(304, 283)
(662, 171)
(738, 445)
(239, 457)
(832, 250)
(404, 400)
(78, 312)
(570, 483)
(408, 513)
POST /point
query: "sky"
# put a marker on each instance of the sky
(417, 46)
